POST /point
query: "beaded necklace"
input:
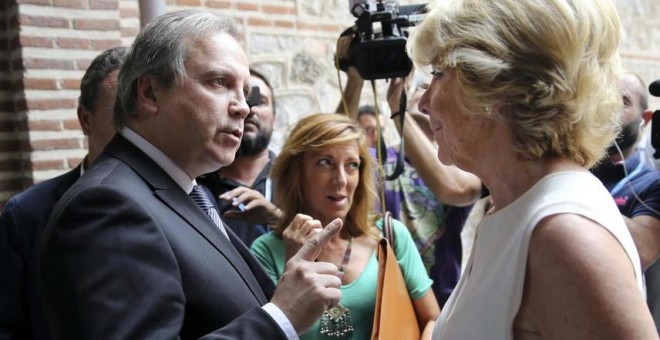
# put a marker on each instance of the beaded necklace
(336, 322)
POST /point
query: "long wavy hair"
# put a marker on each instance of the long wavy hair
(313, 133)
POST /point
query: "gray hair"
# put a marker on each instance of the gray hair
(160, 50)
(104, 64)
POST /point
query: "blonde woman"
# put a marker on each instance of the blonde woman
(525, 95)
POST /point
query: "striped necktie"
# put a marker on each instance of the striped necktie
(199, 197)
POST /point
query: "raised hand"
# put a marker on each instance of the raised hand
(257, 209)
(307, 288)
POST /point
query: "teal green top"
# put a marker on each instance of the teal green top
(358, 296)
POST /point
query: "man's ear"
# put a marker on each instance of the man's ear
(647, 115)
(146, 94)
(85, 119)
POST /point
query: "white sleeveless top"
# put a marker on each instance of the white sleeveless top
(488, 295)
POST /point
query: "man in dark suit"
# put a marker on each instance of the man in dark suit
(25, 215)
(127, 253)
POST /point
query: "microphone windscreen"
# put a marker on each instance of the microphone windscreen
(654, 88)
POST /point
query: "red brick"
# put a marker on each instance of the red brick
(284, 23)
(51, 104)
(129, 31)
(27, 41)
(129, 12)
(277, 9)
(39, 84)
(218, 4)
(306, 26)
(259, 22)
(103, 4)
(52, 164)
(55, 144)
(71, 124)
(320, 27)
(73, 43)
(189, 3)
(82, 64)
(96, 24)
(52, 64)
(79, 4)
(39, 21)
(70, 84)
(45, 125)
(332, 28)
(241, 6)
(73, 162)
(105, 44)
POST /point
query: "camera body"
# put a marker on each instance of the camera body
(381, 55)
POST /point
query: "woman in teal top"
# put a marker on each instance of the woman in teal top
(323, 172)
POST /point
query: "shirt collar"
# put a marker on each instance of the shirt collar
(174, 171)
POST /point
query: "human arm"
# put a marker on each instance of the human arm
(418, 283)
(258, 209)
(580, 284)
(645, 231)
(352, 91)
(427, 312)
(449, 184)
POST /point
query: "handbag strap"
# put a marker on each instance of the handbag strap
(387, 228)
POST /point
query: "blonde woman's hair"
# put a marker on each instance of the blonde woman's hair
(313, 133)
(550, 67)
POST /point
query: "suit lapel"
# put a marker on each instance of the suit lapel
(176, 199)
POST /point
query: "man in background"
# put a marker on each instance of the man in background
(635, 186)
(26, 214)
(242, 189)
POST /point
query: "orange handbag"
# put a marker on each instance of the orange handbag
(394, 316)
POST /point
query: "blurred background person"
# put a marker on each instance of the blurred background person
(25, 215)
(323, 172)
(245, 183)
(635, 186)
(525, 95)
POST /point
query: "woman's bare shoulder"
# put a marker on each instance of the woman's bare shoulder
(578, 275)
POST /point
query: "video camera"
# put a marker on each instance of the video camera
(381, 55)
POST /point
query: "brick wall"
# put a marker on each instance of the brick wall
(47, 44)
(14, 154)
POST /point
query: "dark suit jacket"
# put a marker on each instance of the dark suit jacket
(21, 224)
(128, 255)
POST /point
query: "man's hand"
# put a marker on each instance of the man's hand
(257, 209)
(308, 288)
